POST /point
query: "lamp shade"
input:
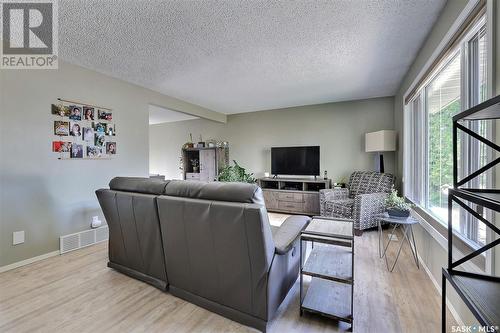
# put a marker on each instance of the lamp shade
(380, 141)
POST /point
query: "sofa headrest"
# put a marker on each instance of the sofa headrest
(138, 185)
(218, 191)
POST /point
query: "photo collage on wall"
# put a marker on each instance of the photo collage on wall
(85, 132)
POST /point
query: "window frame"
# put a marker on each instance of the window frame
(472, 96)
(425, 162)
(463, 49)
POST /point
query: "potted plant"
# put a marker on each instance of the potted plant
(190, 143)
(340, 184)
(195, 163)
(397, 206)
(235, 174)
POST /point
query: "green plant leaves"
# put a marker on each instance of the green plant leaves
(236, 173)
(394, 201)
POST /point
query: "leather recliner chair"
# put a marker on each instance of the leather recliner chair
(219, 250)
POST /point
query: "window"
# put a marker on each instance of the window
(442, 97)
(458, 81)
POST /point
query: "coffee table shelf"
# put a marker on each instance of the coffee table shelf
(330, 265)
(338, 296)
(329, 262)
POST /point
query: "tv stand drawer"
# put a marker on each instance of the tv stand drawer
(295, 207)
(304, 201)
(290, 197)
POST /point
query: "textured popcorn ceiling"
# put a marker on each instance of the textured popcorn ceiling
(237, 56)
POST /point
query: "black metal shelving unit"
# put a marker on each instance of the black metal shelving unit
(480, 292)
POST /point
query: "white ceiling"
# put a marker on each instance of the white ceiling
(159, 115)
(238, 56)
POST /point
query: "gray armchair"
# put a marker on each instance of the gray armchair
(362, 200)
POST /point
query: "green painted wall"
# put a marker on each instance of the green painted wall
(47, 197)
(339, 129)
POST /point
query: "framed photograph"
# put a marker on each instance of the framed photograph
(60, 110)
(88, 134)
(104, 115)
(99, 139)
(75, 113)
(75, 129)
(100, 127)
(110, 129)
(110, 148)
(76, 151)
(61, 146)
(93, 151)
(88, 113)
(61, 128)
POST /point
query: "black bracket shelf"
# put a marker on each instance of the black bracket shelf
(479, 292)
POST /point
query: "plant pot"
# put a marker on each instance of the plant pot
(395, 212)
(195, 169)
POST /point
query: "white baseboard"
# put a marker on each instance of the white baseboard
(28, 261)
(454, 312)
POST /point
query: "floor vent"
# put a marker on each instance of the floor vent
(81, 239)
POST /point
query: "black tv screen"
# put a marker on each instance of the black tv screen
(299, 161)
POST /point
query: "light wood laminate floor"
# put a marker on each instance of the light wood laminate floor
(77, 292)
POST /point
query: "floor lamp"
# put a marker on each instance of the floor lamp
(379, 142)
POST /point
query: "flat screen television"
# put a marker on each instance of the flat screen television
(298, 161)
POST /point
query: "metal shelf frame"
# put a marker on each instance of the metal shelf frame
(474, 289)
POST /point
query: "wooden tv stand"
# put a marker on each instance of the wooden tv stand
(293, 195)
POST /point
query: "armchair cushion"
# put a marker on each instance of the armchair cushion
(285, 235)
(329, 195)
(334, 194)
(340, 208)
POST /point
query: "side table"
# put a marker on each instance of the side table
(405, 223)
(330, 265)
